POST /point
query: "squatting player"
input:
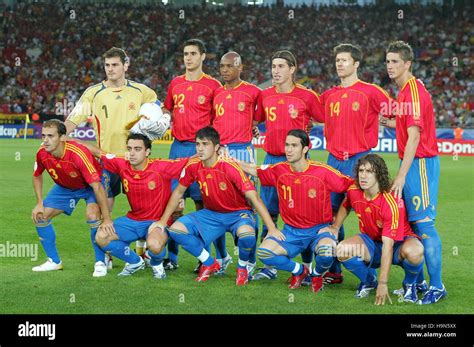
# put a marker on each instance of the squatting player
(147, 184)
(77, 175)
(352, 111)
(189, 99)
(418, 177)
(303, 189)
(386, 237)
(235, 106)
(225, 190)
(284, 106)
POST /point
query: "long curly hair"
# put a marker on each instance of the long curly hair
(380, 169)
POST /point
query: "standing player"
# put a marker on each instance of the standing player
(350, 124)
(284, 106)
(234, 117)
(225, 190)
(113, 105)
(303, 189)
(77, 176)
(418, 177)
(147, 184)
(386, 237)
(189, 99)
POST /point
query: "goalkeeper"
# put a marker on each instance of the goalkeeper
(113, 105)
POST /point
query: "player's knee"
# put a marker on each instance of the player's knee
(155, 245)
(93, 212)
(265, 255)
(344, 251)
(102, 239)
(325, 254)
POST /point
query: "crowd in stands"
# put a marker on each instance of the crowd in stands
(52, 52)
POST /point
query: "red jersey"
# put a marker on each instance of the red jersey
(191, 105)
(283, 112)
(415, 108)
(76, 169)
(384, 215)
(223, 186)
(304, 197)
(351, 117)
(148, 190)
(234, 112)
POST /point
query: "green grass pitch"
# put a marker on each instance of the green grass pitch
(74, 290)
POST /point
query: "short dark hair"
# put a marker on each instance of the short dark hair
(196, 42)
(146, 140)
(116, 52)
(402, 48)
(380, 169)
(301, 134)
(209, 133)
(56, 123)
(287, 55)
(354, 50)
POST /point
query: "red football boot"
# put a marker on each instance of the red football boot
(242, 277)
(296, 280)
(206, 271)
(333, 278)
(317, 284)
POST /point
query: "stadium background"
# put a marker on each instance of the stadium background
(52, 52)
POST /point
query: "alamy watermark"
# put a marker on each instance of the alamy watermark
(19, 250)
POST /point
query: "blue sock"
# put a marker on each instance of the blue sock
(421, 276)
(336, 265)
(358, 267)
(48, 240)
(432, 244)
(219, 244)
(281, 262)
(190, 243)
(122, 250)
(324, 259)
(253, 252)
(246, 244)
(98, 252)
(411, 271)
(173, 250)
(156, 259)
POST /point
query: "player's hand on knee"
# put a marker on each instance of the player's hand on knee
(276, 234)
(107, 227)
(397, 186)
(329, 229)
(382, 294)
(38, 213)
(156, 225)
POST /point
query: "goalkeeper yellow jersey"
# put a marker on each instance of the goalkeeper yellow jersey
(113, 110)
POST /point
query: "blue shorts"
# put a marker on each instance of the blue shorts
(297, 239)
(375, 250)
(421, 188)
(129, 230)
(347, 168)
(210, 225)
(244, 152)
(66, 199)
(183, 150)
(269, 193)
(111, 183)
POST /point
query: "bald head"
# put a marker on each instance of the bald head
(233, 57)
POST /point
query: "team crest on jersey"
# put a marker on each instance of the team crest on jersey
(241, 106)
(201, 99)
(293, 112)
(222, 186)
(151, 185)
(312, 193)
(379, 223)
(73, 174)
(131, 106)
(355, 106)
